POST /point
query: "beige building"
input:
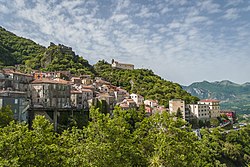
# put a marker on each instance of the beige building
(199, 111)
(47, 93)
(116, 64)
(214, 106)
(176, 104)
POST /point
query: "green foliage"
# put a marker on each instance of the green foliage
(6, 116)
(144, 82)
(16, 50)
(124, 138)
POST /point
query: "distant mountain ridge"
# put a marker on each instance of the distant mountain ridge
(233, 96)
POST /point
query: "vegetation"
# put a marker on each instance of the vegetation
(28, 55)
(16, 50)
(143, 82)
(125, 138)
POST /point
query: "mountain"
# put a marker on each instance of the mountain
(233, 96)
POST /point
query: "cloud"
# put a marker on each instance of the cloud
(182, 41)
(231, 14)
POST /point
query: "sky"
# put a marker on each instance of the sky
(183, 41)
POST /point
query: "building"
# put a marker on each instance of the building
(230, 114)
(18, 103)
(79, 99)
(116, 64)
(151, 103)
(128, 104)
(47, 93)
(15, 81)
(175, 105)
(199, 111)
(214, 106)
(139, 100)
(86, 79)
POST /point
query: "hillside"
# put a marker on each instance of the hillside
(143, 82)
(15, 50)
(234, 96)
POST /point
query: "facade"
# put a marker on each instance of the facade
(175, 105)
(48, 93)
(139, 100)
(151, 103)
(15, 81)
(116, 64)
(78, 99)
(18, 103)
(200, 111)
(128, 104)
(214, 106)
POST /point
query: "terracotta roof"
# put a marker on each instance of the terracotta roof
(16, 72)
(210, 100)
(87, 90)
(50, 81)
(75, 92)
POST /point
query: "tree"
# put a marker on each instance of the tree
(6, 116)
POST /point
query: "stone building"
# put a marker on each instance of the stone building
(47, 93)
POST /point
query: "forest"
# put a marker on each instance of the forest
(123, 138)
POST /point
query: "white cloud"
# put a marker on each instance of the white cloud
(231, 14)
(181, 40)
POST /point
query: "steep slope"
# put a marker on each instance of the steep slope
(144, 82)
(15, 50)
(234, 96)
(59, 58)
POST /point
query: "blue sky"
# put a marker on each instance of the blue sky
(181, 40)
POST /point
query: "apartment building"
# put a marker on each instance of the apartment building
(200, 111)
(214, 106)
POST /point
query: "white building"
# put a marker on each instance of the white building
(200, 111)
(116, 64)
(137, 98)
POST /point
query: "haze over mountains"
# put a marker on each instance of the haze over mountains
(233, 96)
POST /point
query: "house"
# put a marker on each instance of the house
(151, 103)
(120, 94)
(76, 80)
(86, 79)
(110, 99)
(128, 104)
(137, 98)
(214, 106)
(48, 93)
(116, 64)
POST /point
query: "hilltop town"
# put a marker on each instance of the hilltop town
(43, 93)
